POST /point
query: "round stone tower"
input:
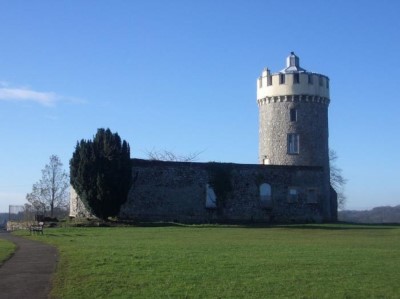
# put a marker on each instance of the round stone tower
(293, 107)
(293, 123)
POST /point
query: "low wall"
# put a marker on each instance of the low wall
(18, 225)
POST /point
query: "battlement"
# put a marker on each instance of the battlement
(292, 80)
(305, 83)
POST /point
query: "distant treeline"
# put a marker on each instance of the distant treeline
(376, 215)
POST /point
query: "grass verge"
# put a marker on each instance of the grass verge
(329, 261)
(6, 250)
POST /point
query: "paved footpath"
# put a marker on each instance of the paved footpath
(28, 273)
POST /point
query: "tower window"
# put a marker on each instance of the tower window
(293, 144)
(260, 82)
(281, 78)
(293, 114)
(320, 81)
(296, 78)
(327, 83)
(269, 80)
(310, 79)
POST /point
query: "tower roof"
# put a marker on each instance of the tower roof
(292, 64)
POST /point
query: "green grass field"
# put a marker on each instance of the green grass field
(329, 261)
(6, 249)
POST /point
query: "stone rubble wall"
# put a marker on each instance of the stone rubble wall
(312, 127)
(176, 191)
(19, 225)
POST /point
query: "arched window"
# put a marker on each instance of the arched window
(265, 195)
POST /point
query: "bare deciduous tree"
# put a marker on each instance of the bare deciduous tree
(167, 155)
(338, 182)
(51, 192)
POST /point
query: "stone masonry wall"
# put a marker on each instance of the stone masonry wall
(312, 127)
(76, 206)
(176, 191)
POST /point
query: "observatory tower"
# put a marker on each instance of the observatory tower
(293, 107)
(293, 123)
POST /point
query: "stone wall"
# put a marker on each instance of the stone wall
(18, 225)
(76, 206)
(177, 191)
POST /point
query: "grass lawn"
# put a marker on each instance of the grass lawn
(6, 249)
(328, 261)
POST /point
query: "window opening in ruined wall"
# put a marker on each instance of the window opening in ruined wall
(293, 194)
(293, 143)
(265, 196)
(310, 79)
(312, 195)
(211, 198)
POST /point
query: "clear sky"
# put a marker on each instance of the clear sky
(181, 75)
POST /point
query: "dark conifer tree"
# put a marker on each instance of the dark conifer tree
(100, 172)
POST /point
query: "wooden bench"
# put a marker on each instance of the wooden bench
(38, 228)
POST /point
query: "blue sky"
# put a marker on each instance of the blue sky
(181, 76)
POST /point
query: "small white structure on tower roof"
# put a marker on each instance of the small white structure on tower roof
(292, 64)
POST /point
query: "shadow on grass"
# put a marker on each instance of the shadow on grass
(327, 226)
(341, 226)
(323, 226)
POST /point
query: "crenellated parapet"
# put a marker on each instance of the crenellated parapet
(292, 84)
(293, 81)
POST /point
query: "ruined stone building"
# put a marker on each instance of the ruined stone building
(291, 183)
